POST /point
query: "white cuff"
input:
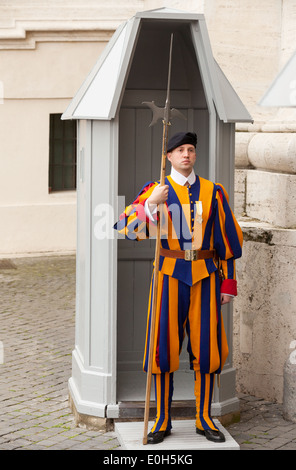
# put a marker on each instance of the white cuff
(148, 212)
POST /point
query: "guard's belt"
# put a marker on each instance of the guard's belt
(188, 255)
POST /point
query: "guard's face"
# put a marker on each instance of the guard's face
(183, 158)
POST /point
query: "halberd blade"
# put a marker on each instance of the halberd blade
(159, 113)
(176, 113)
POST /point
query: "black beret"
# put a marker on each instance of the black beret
(181, 138)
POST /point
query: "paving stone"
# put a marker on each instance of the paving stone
(37, 328)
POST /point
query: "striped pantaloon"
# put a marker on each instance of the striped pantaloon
(194, 310)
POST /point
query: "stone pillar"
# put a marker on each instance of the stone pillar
(265, 203)
(266, 173)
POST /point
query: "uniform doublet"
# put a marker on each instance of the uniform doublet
(188, 291)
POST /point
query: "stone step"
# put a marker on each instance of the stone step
(183, 436)
(135, 409)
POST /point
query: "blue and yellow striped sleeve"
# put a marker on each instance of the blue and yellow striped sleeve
(133, 222)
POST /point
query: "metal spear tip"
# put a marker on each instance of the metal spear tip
(166, 113)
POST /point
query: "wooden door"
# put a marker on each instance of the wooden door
(139, 162)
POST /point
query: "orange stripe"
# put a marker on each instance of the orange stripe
(203, 401)
(195, 321)
(214, 350)
(173, 324)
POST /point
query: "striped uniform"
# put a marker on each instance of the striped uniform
(188, 297)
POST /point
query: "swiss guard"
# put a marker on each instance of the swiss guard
(200, 241)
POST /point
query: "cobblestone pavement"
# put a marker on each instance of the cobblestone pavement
(37, 325)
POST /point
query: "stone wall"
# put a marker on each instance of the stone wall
(265, 310)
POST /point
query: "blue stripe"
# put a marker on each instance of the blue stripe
(211, 267)
(183, 271)
(149, 326)
(161, 406)
(219, 324)
(180, 222)
(194, 190)
(205, 326)
(218, 238)
(164, 362)
(164, 242)
(202, 401)
(230, 269)
(209, 225)
(183, 308)
(230, 228)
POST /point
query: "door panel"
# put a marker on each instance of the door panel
(139, 162)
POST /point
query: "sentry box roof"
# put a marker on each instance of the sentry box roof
(282, 91)
(145, 38)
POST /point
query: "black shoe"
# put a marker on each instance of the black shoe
(212, 435)
(157, 437)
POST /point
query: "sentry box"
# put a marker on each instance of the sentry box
(118, 152)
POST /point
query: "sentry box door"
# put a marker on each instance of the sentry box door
(139, 162)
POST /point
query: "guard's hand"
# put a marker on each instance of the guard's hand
(159, 195)
(225, 299)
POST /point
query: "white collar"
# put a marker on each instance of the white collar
(181, 179)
